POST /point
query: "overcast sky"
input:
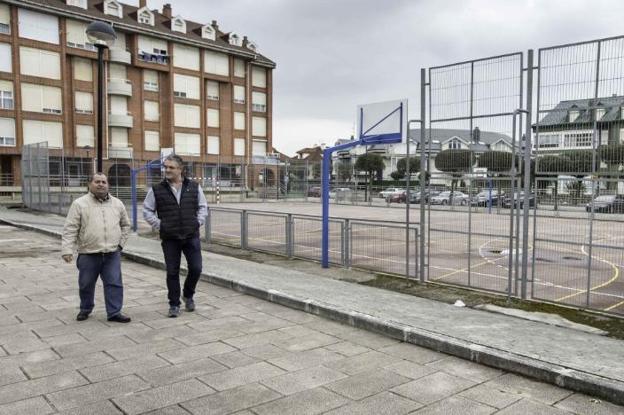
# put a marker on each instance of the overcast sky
(332, 55)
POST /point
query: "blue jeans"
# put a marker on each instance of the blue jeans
(172, 250)
(108, 267)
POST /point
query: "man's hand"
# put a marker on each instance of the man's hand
(68, 258)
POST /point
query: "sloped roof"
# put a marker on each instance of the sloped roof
(161, 25)
(558, 116)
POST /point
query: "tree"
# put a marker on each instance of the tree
(456, 162)
(316, 170)
(414, 165)
(344, 170)
(370, 164)
(397, 175)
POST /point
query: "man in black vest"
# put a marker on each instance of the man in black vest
(177, 208)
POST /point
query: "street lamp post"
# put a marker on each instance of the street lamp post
(102, 35)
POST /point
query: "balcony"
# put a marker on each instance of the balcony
(258, 107)
(120, 120)
(120, 87)
(153, 58)
(120, 56)
(117, 151)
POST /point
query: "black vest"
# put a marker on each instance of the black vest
(177, 221)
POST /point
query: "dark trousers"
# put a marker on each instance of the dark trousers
(172, 250)
(108, 267)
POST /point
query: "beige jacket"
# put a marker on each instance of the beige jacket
(94, 226)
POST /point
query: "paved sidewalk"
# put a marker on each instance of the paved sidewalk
(569, 358)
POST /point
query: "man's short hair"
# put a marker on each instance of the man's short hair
(176, 158)
(92, 176)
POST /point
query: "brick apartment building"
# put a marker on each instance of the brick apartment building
(171, 83)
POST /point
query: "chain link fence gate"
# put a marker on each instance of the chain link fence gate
(578, 248)
(473, 152)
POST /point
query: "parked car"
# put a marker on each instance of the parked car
(448, 197)
(416, 197)
(518, 200)
(314, 191)
(483, 198)
(389, 191)
(607, 204)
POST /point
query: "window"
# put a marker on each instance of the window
(185, 86)
(78, 3)
(113, 8)
(145, 16)
(5, 19)
(578, 139)
(548, 140)
(187, 144)
(212, 90)
(239, 94)
(7, 132)
(239, 120)
(41, 63)
(85, 135)
(82, 68)
(252, 46)
(6, 63)
(118, 105)
(258, 77)
(77, 36)
(234, 39)
(212, 118)
(258, 101)
(6, 95)
(259, 148)
(153, 50)
(40, 131)
(216, 63)
(573, 115)
(41, 98)
(185, 57)
(239, 146)
(150, 80)
(208, 32)
(258, 126)
(179, 25)
(84, 102)
(152, 141)
(117, 71)
(212, 144)
(38, 26)
(118, 137)
(239, 68)
(151, 110)
(186, 116)
(600, 112)
(454, 144)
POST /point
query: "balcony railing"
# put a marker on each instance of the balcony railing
(120, 120)
(153, 58)
(120, 56)
(85, 46)
(258, 107)
(118, 86)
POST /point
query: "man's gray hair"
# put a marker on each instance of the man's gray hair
(176, 158)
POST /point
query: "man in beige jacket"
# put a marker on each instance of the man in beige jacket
(97, 226)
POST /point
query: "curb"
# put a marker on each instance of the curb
(588, 383)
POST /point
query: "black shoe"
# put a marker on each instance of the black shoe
(174, 311)
(120, 318)
(189, 304)
(82, 316)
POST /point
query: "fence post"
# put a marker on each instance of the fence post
(416, 253)
(347, 243)
(289, 236)
(343, 243)
(244, 224)
(207, 226)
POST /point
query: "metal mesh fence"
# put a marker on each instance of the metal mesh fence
(225, 227)
(307, 239)
(267, 232)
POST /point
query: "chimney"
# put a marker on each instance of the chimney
(142, 3)
(167, 10)
(215, 26)
(245, 41)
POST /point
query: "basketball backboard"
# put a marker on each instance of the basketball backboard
(382, 122)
